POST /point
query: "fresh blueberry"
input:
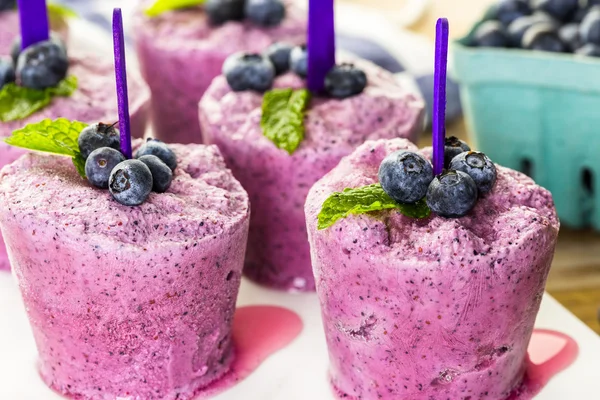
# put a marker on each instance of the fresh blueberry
(560, 9)
(279, 54)
(265, 12)
(15, 49)
(42, 65)
(518, 27)
(96, 136)
(543, 37)
(7, 72)
(221, 11)
(506, 11)
(100, 164)
(579, 14)
(491, 34)
(589, 50)
(161, 173)
(159, 149)
(299, 61)
(453, 146)
(452, 194)
(590, 26)
(405, 176)
(479, 167)
(249, 72)
(345, 80)
(569, 35)
(130, 182)
(6, 5)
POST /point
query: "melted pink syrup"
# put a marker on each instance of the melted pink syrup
(549, 353)
(258, 332)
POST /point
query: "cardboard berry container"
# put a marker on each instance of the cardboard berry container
(539, 113)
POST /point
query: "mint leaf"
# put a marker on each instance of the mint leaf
(60, 11)
(161, 6)
(283, 117)
(18, 102)
(364, 200)
(56, 137)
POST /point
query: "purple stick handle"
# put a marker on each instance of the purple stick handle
(320, 43)
(121, 77)
(33, 16)
(439, 94)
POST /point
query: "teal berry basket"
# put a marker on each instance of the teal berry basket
(538, 113)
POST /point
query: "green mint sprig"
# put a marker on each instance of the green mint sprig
(162, 6)
(364, 200)
(18, 102)
(282, 121)
(56, 137)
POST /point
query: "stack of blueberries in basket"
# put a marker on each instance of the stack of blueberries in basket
(563, 26)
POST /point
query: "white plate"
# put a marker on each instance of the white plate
(297, 372)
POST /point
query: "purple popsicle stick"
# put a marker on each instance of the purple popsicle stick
(121, 77)
(439, 94)
(320, 43)
(33, 16)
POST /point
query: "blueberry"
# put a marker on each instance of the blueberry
(590, 26)
(518, 27)
(589, 50)
(98, 135)
(491, 34)
(16, 45)
(279, 54)
(452, 194)
(6, 5)
(221, 11)
(130, 182)
(159, 149)
(7, 72)
(560, 9)
(265, 12)
(569, 35)
(42, 65)
(345, 80)
(299, 61)
(453, 146)
(543, 37)
(100, 164)
(507, 11)
(479, 167)
(249, 72)
(161, 173)
(405, 176)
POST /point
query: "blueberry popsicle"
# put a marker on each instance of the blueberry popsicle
(433, 307)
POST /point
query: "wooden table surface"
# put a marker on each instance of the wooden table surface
(575, 276)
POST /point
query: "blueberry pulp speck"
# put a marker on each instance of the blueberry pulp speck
(42, 65)
(543, 37)
(344, 81)
(279, 54)
(479, 167)
(265, 12)
(15, 49)
(299, 61)
(96, 136)
(560, 9)
(452, 194)
(453, 146)
(221, 11)
(518, 27)
(162, 176)
(130, 182)
(159, 149)
(589, 29)
(100, 164)
(506, 11)
(249, 72)
(569, 35)
(405, 176)
(491, 34)
(6, 5)
(7, 72)
(589, 50)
